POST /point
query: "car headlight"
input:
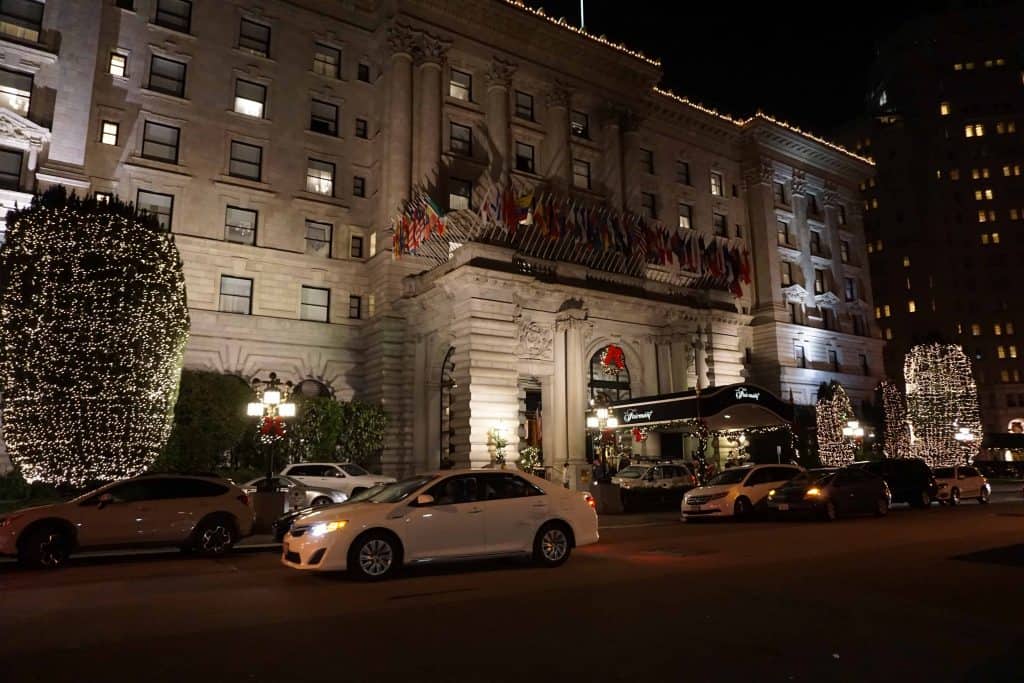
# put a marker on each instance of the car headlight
(325, 528)
(813, 492)
(716, 496)
(771, 494)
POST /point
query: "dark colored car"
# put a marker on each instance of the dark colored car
(283, 523)
(910, 479)
(831, 493)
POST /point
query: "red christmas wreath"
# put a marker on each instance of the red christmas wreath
(613, 361)
(272, 426)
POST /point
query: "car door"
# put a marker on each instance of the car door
(849, 493)
(180, 504)
(971, 483)
(449, 527)
(122, 521)
(513, 511)
(757, 485)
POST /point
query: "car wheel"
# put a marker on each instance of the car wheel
(374, 556)
(552, 545)
(883, 507)
(954, 497)
(924, 501)
(829, 512)
(742, 508)
(983, 498)
(214, 536)
(45, 548)
(321, 500)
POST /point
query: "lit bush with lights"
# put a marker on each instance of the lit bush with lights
(93, 325)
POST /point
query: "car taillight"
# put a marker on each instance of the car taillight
(590, 500)
(243, 499)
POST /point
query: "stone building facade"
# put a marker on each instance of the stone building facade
(278, 140)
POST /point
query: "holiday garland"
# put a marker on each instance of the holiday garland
(93, 325)
(833, 412)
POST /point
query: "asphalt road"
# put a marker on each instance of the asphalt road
(930, 595)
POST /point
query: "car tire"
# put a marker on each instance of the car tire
(829, 512)
(214, 536)
(742, 508)
(321, 500)
(882, 507)
(984, 497)
(46, 547)
(552, 545)
(954, 497)
(924, 501)
(374, 556)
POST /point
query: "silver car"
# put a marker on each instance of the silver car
(297, 494)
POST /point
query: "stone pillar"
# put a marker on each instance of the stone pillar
(834, 240)
(557, 152)
(798, 189)
(680, 355)
(431, 56)
(611, 166)
(701, 359)
(574, 330)
(499, 79)
(767, 275)
(631, 161)
(402, 41)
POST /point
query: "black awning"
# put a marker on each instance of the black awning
(1006, 441)
(734, 406)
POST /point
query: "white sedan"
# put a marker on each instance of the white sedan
(736, 492)
(444, 516)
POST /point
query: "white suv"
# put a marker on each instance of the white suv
(960, 482)
(347, 477)
(736, 491)
(661, 476)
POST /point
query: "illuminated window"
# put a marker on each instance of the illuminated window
(108, 135)
(938, 174)
(460, 85)
(1013, 351)
(717, 184)
(685, 216)
(782, 231)
(871, 248)
(959, 328)
(888, 311)
(1009, 328)
(911, 306)
(888, 333)
(787, 273)
(984, 238)
(982, 216)
(879, 245)
(874, 203)
(460, 193)
(989, 194)
(995, 238)
(906, 261)
(958, 67)
(250, 98)
(1014, 214)
(944, 108)
(997, 329)
(320, 177)
(954, 174)
(326, 60)
(1011, 127)
(968, 131)
(22, 19)
(988, 63)
(878, 313)
(118, 65)
(1001, 351)
(975, 130)
(975, 330)
(969, 66)
(819, 281)
(844, 251)
(1000, 127)
(1000, 61)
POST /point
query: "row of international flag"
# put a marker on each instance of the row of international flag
(602, 229)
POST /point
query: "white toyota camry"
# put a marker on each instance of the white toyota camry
(440, 517)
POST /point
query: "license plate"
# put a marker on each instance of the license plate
(783, 506)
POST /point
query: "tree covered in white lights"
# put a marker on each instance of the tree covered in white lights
(93, 325)
(942, 400)
(897, 429)
(834, 410)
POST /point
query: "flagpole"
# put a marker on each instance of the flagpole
(582, 23)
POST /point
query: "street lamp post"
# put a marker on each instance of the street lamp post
(854, 432)
(272, 407)
(602, 420)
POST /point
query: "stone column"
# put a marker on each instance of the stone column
(611, 166)
(402, 41)
(834, 240)
(701, 359)
(557, 152)
(631, 161)
(574, 330)
(430, 56)
(798, 189)
(767, 275)
(499, 79)
(680, 355)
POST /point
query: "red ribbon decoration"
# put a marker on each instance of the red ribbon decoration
(613, 360)
(272, 426)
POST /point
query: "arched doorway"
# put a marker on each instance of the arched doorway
(447, 432)
(608, 380)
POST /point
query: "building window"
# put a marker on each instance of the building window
(118, 65)
(842, 214)
(997, 329)
(236, 294)
(1009, 328)
(782, 228)
(174, 14)
(246, 161)
(683, 172)
(254, 38)
(1001, 352)
(864, 367)
(717, 184)
(828, 318)
(888, 334)
(833, 360)
(108, 132)
(318, 238)
(250, 98)
(801, 356)
(888, 311)
(320, 177)
(648, 205)
(10, 169)
(167, 76)
(647, 160)
(844, 251)
(316, 304)
(460, 139)
(240, 225)
(460, 193)
(323, 118)
(812, 204)
(975, 330)
(103, 197)
(685, 216)
(363, 72)
(719, 224)
(524, 105)
(850, 289)
(819, 281)
(579, 124)
(780, 193)
(362, 129)
(355, 247)
(358, 186)
(21, 19)
(581, 174)
(15, 91)
(787, 273)
(1013, 351)
(975, 130)
(911, 306)
(815, 243)
(156, 204)
(524, 157)
(355, 307)
(160, 142)
(859, 328)
(460, 85)
(326, 61)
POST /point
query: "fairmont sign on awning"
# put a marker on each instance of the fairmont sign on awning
(734, 406)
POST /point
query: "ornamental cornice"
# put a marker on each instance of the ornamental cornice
(430, 49)
(559, 95)
(21, 132)
(500, 74)
(798, 184)
(535, 341)
(827, 299)
(402, 39)
(794, 294)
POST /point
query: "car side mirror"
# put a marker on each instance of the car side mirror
(424, 499)
(105, 500)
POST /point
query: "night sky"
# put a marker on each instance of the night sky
(807, 63)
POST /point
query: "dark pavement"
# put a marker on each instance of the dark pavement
(930, 595)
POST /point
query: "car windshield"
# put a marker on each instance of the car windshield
(944, 473)
(632, 472)
(392, 493)
(368, 493)
(729, 477)
(354, 470)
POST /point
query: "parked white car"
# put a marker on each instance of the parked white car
(444, 516)
(296, 494)
(736, 491)
(960, 482)
(347, 477)
(660, 476)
